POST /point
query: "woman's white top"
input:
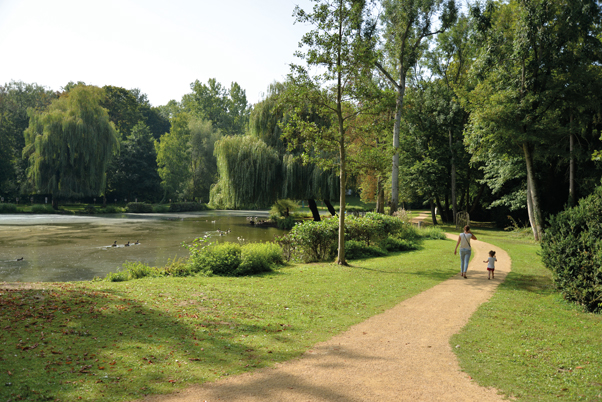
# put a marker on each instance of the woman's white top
(465, 240)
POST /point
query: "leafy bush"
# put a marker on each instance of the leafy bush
(161, 208)
(356, 249)
(572, 250)
(283, 208)
(232, 259)
(317, 241)
(119, 276)
(395, 244)
(7, 208)
(139, 207)
(137, 270)
(177, 267)
(42, 209)
(286, 223)
(314, 241)
(187, 207)
(90, 209)
(111, 209)
(432, 233)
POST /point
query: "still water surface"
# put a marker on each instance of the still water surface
(57, 248)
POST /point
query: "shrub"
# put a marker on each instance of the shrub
(218, 259)
(139, 207)
(572, 250)
(283, 208)
(357, 208)
(7, 208)
(286, 223)
(110, 209)
(42, 209)
(119, 276)
(314, 241)
(254, 260)
(356, 249)
(137, 270)
(177, 267)
(432, 233)
(187, 207)
(395, 244)
(90, 209)
(161, 208)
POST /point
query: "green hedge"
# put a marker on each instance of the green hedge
(187, 207)
(139, 207)
(572, 250)
(42, 209)
(7, 208)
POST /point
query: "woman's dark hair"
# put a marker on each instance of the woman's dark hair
(466, 228)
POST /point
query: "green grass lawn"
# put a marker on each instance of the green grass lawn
(119, 341)
(526, 341)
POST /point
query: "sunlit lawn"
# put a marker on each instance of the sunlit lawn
(528, 342)
(119, 341)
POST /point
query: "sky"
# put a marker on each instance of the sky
(160, 47)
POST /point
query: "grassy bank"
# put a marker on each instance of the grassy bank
(528, 342)
(119, 341)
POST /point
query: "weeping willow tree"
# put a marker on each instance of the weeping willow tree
(249, 173)
(70, 145)
(258, 169)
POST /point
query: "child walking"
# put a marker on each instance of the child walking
(491, 264)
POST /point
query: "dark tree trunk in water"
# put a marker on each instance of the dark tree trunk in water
(331, 209)
(433, 214)
(104, 201)
(314, 210)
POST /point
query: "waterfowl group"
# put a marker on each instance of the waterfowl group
(126, 244)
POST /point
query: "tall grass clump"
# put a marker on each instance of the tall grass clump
(8, 208)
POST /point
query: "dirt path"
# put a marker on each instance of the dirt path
(402, 354)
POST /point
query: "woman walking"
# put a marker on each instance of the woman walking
(465, 250)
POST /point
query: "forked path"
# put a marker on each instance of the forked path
(402, 354)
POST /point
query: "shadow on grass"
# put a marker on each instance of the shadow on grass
(58, 342)
(539, 284)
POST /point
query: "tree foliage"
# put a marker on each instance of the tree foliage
(70, 144)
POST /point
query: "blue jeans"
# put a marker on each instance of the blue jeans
(464, 258)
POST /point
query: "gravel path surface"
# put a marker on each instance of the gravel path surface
(402, 354)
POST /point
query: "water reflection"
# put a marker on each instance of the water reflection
(58, 248)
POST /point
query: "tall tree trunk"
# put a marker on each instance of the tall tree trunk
(532, 186)
(395, 171)
(453, 177)
(380, 198)
(572, 166)
(447, 207)
(530, 208)
(55, 203)
(341, 254)
(331, 209)
(441, 212)
(314, 210)
(433, 214)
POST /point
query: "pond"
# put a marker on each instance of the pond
(59, 248)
